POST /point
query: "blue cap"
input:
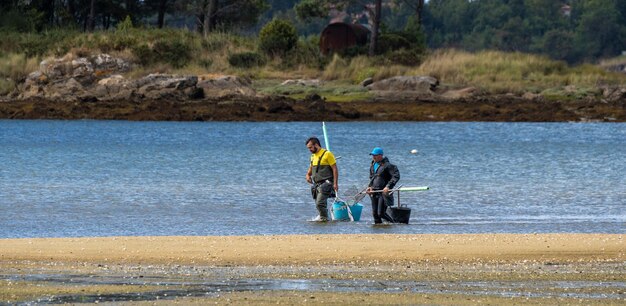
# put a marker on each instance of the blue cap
(377, 151)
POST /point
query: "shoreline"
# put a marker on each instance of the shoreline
(442, 269)
(320, 249)
(496, 108)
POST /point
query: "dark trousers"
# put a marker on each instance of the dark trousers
(379, 207)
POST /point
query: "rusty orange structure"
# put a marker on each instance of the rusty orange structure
(339, 35)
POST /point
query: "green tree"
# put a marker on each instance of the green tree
(500, 24)
(278, 37)
(559, 45)
(228, 14)
(543, 16)
(449, 22)
(598, 32)
(491, 14)
(160, 7)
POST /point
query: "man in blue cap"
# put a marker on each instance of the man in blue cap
(383, 177)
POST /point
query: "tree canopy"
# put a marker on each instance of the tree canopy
(570, 30)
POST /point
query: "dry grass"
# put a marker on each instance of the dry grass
(6, 86)
(501, 72)
(359, 68)
(14, 68)
(620, 60)
(492, 71)
(17, 66)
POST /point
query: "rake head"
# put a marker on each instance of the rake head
(353, 195)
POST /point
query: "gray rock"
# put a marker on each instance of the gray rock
(36, 78)
(164, 81)
(616, 68)
(99, 77)
(82, 71)
(31, 91)
(460, 93)
(75, 79)
(115, 87)
(159, 86)
(302, 82)
(531, 96)
(70, 90)
(406, 83)
(55, 69)
(226, 86)
(614, 93)
(367, 81)
(105, 65)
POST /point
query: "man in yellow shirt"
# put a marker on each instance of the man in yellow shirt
(323, 174)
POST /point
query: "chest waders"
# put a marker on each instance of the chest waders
(315, 170)
(321, 190)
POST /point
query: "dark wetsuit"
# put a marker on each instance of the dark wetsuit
(386, 175)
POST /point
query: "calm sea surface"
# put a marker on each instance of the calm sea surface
(105, 178)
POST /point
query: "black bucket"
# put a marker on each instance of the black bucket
(399, 214)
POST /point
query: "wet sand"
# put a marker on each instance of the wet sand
(317, 249)
(397, 269)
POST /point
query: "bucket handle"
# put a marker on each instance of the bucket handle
(338, 199)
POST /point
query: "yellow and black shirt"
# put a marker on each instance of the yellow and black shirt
(321, 162)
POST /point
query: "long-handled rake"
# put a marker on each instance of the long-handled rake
(354, 195)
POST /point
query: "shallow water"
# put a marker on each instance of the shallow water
(177, 288)
(109, 178)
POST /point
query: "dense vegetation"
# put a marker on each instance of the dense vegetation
(570, 30)
(574, 30)
(483, 43)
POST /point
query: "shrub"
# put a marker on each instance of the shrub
(364, 73)
(115, 41)
(29, 20)
(35, 45)
(175, 53)
(213, 44)
(17, 66)
(277, 37)
(205, 63)
(144, 54)
(354, 51)
(306, 53)
(403, 57)
(6, 86)
(414, 34)
(246, 60)
(125, 25)
(391, 42)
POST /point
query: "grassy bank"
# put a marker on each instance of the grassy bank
(500, 72)
(186, 52)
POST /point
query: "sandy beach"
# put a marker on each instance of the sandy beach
(421, 269)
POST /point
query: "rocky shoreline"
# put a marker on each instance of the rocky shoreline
(278, 108)
(95, 88)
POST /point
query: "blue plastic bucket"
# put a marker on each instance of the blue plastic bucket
(356, 210)
(340, 211)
